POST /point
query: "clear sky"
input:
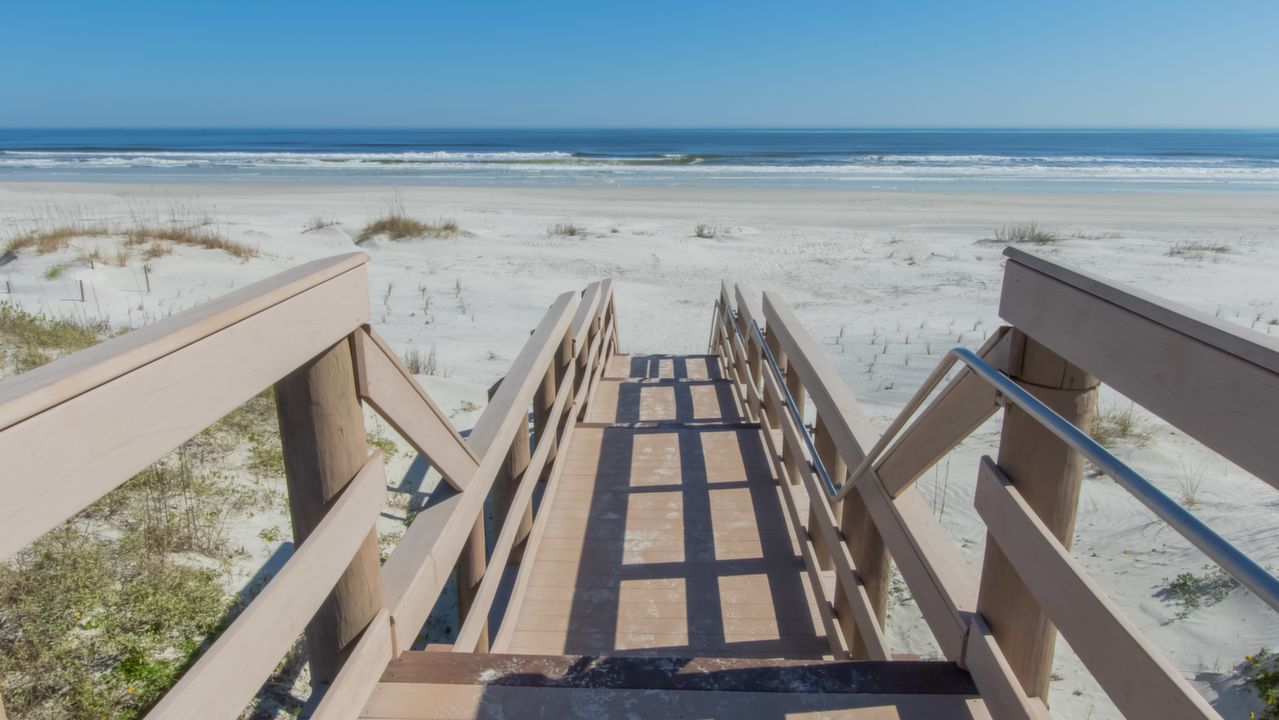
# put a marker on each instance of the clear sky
(529, 63)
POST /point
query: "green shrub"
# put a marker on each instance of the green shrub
(1261, 673)
(1192, 591)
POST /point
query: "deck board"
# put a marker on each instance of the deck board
(667, 538)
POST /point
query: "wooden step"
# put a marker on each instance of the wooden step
(461, 685)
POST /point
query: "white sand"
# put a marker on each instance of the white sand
(861, 269)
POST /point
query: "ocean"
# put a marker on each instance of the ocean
(1031, 160)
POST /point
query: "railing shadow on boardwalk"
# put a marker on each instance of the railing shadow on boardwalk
(603, 572)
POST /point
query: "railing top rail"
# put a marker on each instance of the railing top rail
(835, 402)
(1225, 554)
(35, 391)
(1216, 382)
(496, 426)
(1254, 347)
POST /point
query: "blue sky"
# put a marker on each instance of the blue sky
(855, 63)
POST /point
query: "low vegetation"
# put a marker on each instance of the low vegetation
(1197, 250)
(28, 340)
(566, 230)
(319, 222)
(201, 236)
(398, 226)
(56, 238)
(1190, 592)
(1025, 233)
(1119, 426)
(153, 236)
(705, 231)
(100, 616)
(1261, 673)
(420, 364)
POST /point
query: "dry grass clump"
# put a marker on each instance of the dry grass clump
(28, 340)
(54, 239)
(193, 236)
(1025, 233)
(1197, 250)
(705, 231)
(319, 222)
(1116, 426)
(60, 237)
(566, 230)
(398, 226)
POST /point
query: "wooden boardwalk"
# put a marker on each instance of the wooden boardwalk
(666, 536)
(672, 535)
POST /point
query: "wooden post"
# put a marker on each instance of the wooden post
(775, 348)
(505, 486)
(1048, 474)
(792, 456)
(870, 555)
(837, 470)
(322, 431)
(470, 572)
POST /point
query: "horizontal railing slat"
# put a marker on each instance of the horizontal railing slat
(388, 386)
(1219, 386)
(60, 460)
(845, 571)
(941, 581)
(420, 565)
(44, 387)
(225, 679)
(477, 615)
(1140, 682)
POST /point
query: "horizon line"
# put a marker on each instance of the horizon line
(749, 128)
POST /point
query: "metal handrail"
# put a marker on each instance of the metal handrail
(816, 462)
(1230, 558)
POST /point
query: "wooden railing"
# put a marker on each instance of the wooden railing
(77, 428)
(1069, 331)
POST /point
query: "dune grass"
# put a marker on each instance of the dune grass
(1025, 233)
(199, 235)
(1115, 426)
(54, 239)
(566, 230)
(398, 226)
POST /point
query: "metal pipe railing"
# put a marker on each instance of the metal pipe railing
(1227, 556)
(816, 463)
(1230, 558)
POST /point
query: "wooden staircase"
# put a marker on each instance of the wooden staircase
(671, 535)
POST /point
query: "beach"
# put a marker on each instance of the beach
(886, 281)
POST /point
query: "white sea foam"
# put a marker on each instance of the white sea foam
(566, 167)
